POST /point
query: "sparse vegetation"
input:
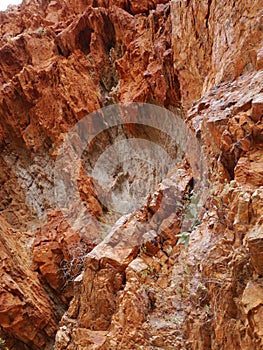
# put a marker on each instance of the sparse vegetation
(183, 238)
(190, 210)
(72, 267)
(41, 31)
(2, 344)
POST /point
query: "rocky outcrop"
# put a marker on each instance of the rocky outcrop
(172, 295)
(211, 47)
(28, 314)
(68, 287)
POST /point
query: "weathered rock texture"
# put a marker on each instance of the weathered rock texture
(65, 287)
(27, 313)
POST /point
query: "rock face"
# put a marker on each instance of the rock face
(28, 315)
(221, 40)
(68, 287)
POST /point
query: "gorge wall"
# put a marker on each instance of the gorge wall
(71, 287)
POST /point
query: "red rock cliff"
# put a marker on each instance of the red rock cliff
(62, 287)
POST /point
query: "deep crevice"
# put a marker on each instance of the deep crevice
(84, 39)
(208, 13)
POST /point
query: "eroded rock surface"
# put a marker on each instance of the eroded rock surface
(64, 286)
(28, 314)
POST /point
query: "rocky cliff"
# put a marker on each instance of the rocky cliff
(97, 278)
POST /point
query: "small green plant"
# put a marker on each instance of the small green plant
(148, 272)
(185, 235)
(143, 249)
(190, 215)
(2, 344)
(183, 238)
(41, 31)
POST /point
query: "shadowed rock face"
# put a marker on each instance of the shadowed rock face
(68, 287)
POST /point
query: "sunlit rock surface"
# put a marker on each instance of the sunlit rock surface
(117, 279)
